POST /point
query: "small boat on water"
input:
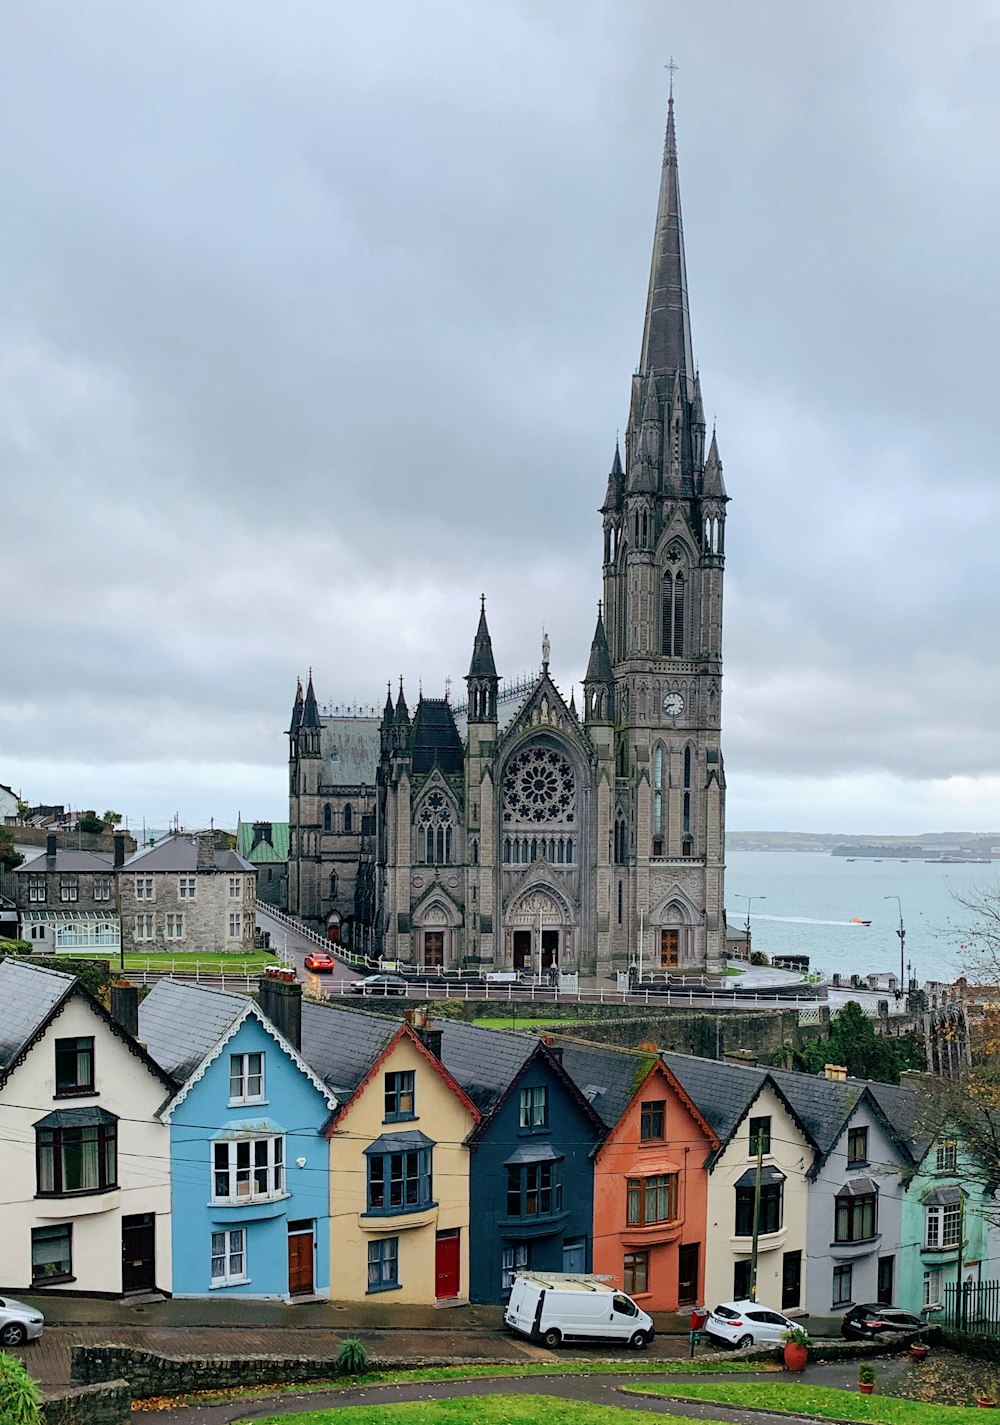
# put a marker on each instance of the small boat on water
(877, 860)
(856, 920)
(850, 859)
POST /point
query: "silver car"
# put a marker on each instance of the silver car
(747, 1323)
(19, 1323)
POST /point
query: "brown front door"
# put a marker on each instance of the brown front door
(139, 1252)
(669, 948)
(300, 1260)
(447, 1265)
(522, 949)
(333, 934)
(687, 1275)
(433, 949)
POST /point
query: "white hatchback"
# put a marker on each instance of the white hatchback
(748, 1323)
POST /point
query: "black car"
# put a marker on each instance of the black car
(379, 985)
(867, 1323)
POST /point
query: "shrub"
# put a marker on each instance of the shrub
(866, 1373)
(353, 1356)
(797, 1336)
(20, 1399)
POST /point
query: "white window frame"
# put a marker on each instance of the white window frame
(235, 888)
(244, 1073)
(933, 1280)
(944, 1226)
(145, 888)
(173, 926)
(37, 890)
(946, 1158)
(186, 887)
(69, 889)
(235, 925)
(233, 1256)
(259, 1177)
(145, 926)
(102, 888)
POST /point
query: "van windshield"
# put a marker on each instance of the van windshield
(624, 1306)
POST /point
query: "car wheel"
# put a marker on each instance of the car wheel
(552, 1338)
(13, 1334)
(744, 1342)
(638, 1341)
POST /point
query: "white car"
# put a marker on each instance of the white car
(748, 1323)
(19, 1323)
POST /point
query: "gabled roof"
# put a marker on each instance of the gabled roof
(265, 852)
(434, 740)
(725, 1093)
(179, 852)
(69, 861)
(342, 1044)
(544, 1055)
(405, 1032)
(30, 998)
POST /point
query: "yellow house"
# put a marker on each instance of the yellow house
(399, 1178)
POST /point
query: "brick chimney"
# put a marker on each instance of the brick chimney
(51, 844)
(125, 1007)
(835, 1072)
(119, 849)
(206, 851)
(280, 998)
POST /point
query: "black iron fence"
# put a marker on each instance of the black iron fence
(975, 1307)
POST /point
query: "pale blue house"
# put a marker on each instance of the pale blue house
(250, 1185)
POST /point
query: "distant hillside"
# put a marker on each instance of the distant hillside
(843, 843)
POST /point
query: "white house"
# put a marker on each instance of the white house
(85, 1187)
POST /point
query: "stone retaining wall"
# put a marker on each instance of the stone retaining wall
(107, 1404)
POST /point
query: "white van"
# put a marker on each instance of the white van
(559, 1306)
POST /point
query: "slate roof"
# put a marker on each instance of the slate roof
(350, 747)
(180, 1023)
(28, 995)
(722, 1092)
(914, 1117)
(608, 1078)
(265, 852)
(434, 740)
(69, 861)
(180, 853)
(340, 1045)
(822, 1104)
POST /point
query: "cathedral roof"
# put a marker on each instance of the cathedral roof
(434, 740)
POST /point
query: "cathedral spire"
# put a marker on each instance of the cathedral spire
(388, 711)
(713, 485)
(310, 710)
(402, 714)
(482, 665)
(297, 708)
(666, 337)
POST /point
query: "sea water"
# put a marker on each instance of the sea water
(811, 898)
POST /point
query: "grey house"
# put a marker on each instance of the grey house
(185, 895)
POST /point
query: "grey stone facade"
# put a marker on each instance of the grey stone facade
(182, 895)
(512, 832)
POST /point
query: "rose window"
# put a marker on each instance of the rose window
(538, 786)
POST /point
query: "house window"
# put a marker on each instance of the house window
(246, 1078)
(534, 1189)
(144, 888)
(383, 1264)
(771, 1201)
(842, 1287)
(51, 1254)
(400, 1096)
(69, 889)
(102, 888)
(36, 890)
(855, 1217)
(229, 1257)
(635, 1273)
(235, 925)
(944, 1225)
(399, 1182)
(857, 1146)
(652, 1199)
(933, 1278)
(248, 1169)
(651, 1124)
(534, 1110)
(72, 1159)
(74, 1066)
(760, 1134)
(513, 1259)
(175, 927)
(235, 888)
(185, 887)
(144, 927)
(946, 1158)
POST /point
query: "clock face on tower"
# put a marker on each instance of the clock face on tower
(673, 704)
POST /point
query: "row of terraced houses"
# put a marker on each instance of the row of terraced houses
(203, 1142)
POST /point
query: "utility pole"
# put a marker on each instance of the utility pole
(756, 1214)
(959, 1298)
(901, 932)
(749, 900)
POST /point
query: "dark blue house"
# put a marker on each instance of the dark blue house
(532, 1178)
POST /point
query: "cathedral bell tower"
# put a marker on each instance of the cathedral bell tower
(664, 540)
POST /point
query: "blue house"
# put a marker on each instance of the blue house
(531, 1177)
(249, 1162)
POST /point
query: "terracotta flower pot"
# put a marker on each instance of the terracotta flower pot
(918, 1352)
(796, 1356)
(866, 1386)
(985, 1403)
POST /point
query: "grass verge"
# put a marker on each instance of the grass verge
(818, 1401)
(471, 1410)
(520, 1021)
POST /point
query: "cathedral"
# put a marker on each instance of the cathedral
(514, 831)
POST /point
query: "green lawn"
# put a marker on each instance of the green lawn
(816, 1400)
(211, 964)
(471, 1410)
(521, 1021)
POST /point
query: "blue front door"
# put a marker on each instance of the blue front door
(575, 1255)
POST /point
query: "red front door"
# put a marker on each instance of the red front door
(447, 1265)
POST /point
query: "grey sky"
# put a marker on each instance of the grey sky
(317, 319)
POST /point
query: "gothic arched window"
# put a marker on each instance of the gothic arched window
(672, 614)
(621, 901)
(539, 787)
(333, 885)
(328, 817)
(434, 831)
(621, 840)
(348, 817)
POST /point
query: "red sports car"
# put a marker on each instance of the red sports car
(320, 960)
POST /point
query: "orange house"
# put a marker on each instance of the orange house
(651, 1196)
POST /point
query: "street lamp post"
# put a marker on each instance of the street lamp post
(749, 900)
(901, 932)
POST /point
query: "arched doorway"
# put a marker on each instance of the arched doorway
(674, 933)
(333, 928)
(538, 932)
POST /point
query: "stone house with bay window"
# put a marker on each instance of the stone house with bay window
(185, 895)
(68, 898)
(85, 1188)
